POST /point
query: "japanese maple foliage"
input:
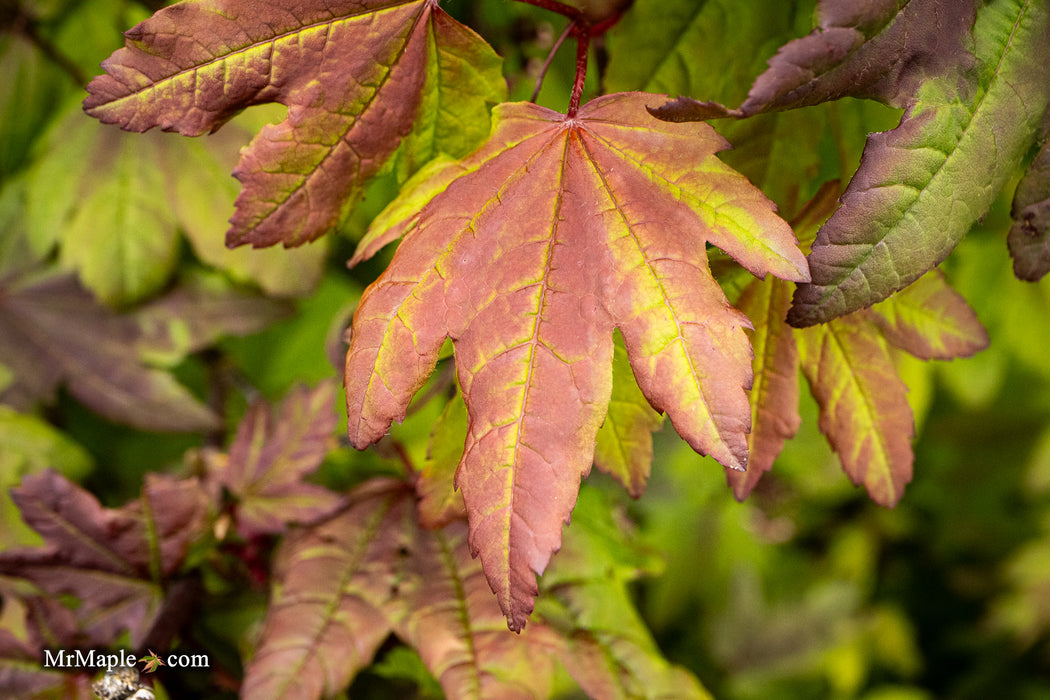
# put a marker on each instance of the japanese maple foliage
(530, 280)
(581, 275)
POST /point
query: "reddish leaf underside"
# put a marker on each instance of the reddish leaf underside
(535, 248)
(351, 72)
(112, 559)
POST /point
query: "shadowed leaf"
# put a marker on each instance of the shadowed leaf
(53, 332)
(439, 502)
(113, 560)
(271, 454)
(921, 186)
(356, 75)
(880, 49)
(624, 446)
(511, 262)
(1029, 237)
(343, 585)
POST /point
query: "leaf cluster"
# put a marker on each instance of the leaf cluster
(562, 282)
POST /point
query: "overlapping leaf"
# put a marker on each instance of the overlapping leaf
(355, 76)
(880, 49)
(53, 332)
(921, 186)
(113, 560)
(343, 585)
(849, 364)
(541, 243)
(49, 625)
(271, 454)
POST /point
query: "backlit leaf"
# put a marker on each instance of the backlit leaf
(113, 560)
(355, 76)
(439, 502)
(864, 409)
(930, 320)
(513, 264)
(921, 186)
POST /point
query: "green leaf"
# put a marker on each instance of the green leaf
(439, 502)
(624, 446)
(102, 198)
(30, 445)
(921, 186)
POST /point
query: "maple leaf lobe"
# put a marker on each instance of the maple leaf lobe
(530, 280)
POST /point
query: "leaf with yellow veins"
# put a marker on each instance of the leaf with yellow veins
(863, 403)
(359, 77)
(553, 234)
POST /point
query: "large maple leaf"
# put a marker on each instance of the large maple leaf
(359, 77)
(558, 230)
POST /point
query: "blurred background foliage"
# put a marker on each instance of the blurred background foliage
(806, 590)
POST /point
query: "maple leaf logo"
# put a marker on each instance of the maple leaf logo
(528, 255)
(152, 661)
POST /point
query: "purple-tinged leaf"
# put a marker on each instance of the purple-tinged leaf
(459, 631)
(199, 312)
(921, 186)
(271, 454)
(1029, 237)
(114, 560)
(336, 586)
(880, 49)
(342, 585)
(52, 331)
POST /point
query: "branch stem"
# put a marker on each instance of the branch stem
(550, 59)
(583, 40)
